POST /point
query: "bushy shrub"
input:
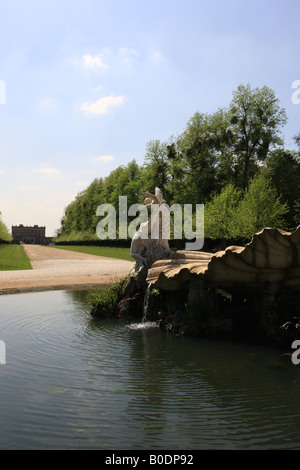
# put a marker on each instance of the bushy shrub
(108, 297)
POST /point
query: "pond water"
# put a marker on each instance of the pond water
(72, 382)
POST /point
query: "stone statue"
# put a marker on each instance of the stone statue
(147, 246)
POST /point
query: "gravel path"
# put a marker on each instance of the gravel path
(62, 269)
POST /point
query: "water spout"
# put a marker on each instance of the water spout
(146, 306)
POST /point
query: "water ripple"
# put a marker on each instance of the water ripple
(74, 382)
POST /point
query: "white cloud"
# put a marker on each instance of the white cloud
(97, 88)
(47, 171)
(81, 183)
(92, 62)
(156, 58)
(127, 56)
(103, 105)
(48, 103)
(2, 172)
(127, 50)
(105, 158)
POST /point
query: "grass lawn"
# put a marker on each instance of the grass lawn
(110, 252)
(13, 257)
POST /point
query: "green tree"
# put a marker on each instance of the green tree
(177, 190)
(223, 144)
(80, 219)
(256, 120)
(297, 140)
(296, 213)
(260, 207)
(283, 169)
(156, 166)
(220, 213)
(199, 159)
(4, 232)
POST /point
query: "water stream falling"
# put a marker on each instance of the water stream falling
(146, 306)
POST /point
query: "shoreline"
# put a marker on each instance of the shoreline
(12, 287)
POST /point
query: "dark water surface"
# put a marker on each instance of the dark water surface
(71, 382)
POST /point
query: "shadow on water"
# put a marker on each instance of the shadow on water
(212, 393)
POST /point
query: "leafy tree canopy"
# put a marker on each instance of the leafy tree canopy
(4, 232)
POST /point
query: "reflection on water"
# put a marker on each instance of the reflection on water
(73, 382)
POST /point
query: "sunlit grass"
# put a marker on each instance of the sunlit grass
(110, 252)
(13, 257)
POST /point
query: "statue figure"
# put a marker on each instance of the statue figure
(144, 248)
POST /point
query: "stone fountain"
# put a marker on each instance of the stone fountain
(146, 250)
(252, 289)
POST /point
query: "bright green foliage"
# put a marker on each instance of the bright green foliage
(260, 207)
(77, 236)
(220, 213)
(108, 297)
(231, 214)
(80, 220)
(4, 233)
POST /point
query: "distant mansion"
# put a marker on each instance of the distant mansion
(35, 234)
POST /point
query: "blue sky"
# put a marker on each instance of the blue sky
(89, 83)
